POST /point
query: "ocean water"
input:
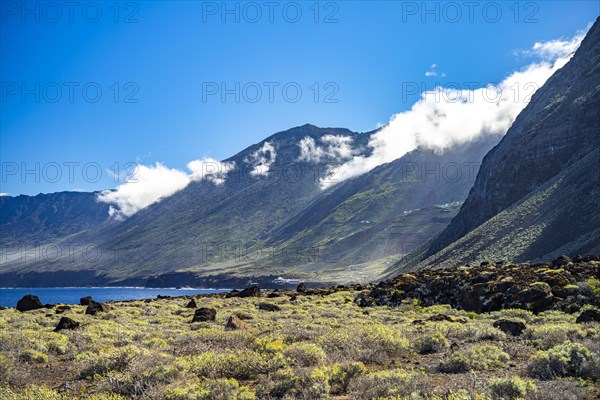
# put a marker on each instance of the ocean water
(71, 295)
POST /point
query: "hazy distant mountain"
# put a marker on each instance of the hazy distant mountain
(537, 193)
(38, 219)
(281, 223)
(182, 230)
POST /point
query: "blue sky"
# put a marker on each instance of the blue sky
(153, 60)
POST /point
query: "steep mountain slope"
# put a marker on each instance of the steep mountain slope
(386, 212)
(561, 217)
(528, 188)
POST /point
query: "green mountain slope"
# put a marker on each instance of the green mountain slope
(560, 217)
(367, 222)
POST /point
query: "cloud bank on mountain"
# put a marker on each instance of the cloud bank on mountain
(149, 184)
(262, 159)
(444, 117)
(332, 147)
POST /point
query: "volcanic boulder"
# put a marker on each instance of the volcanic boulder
(204, 314)
(29, 302)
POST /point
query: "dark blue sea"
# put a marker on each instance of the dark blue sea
(10, 296)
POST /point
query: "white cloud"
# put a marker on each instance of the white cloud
(150, 184)
(444, 117)
(210, 169)
(309, 151)
(556, 48)
(4, 194)
(433, 72)
(334, 147)
(262, 159)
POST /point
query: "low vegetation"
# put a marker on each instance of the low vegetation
(314, 345)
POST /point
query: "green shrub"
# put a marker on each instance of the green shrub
(217, 339)
(34, 392)
(142, 373)
(339, 376)
(472, 315)
(31, 392)
(552, 334)
(457, 363)
(563, 360)
(303, 383)
(559, 390)
(594, 285)
(488, 332)
(553, 316)
(460, 394)
(238, 364)
(479, 357)
(45, 342)
(104, 396)
(473, 331)
(309, 384)
(107, 359)
(591, 368)
(269, 345)
(343, 374)
(384, 384)
(369, 343)
(316, 384)
(444, 309)
(516, 313)
(304, 354)
(209, 389)
(284, 382)
(155, 343)
(33, 357)
(431, 343)
(511, 388)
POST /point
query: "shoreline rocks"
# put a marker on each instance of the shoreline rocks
(191, 304)
(234, 324)
(85, 301)
(95, 307)
(252, 291)
(29, 302)
(492, 286)
(66, 323)
(268, 307)
(204, 314)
